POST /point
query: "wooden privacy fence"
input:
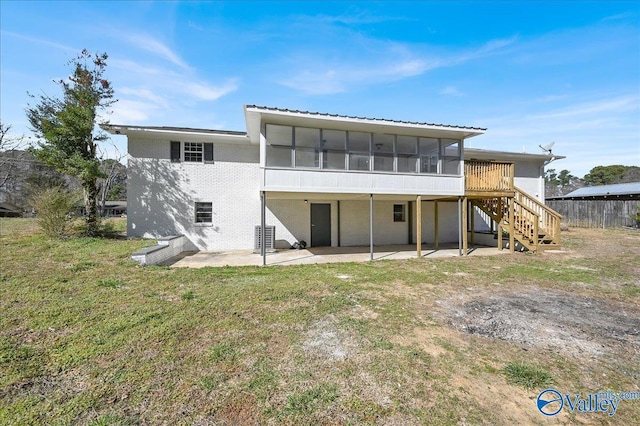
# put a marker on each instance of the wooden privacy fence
(609, 213)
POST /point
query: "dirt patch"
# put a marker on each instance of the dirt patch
(548, 319)
(326, 341)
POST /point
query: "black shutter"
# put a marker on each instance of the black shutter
(208, 153)
(175, 152)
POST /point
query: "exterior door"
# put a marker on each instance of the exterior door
(320, 225)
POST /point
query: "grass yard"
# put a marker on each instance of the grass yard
(88, 337)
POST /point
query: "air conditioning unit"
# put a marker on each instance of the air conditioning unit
(269, 238)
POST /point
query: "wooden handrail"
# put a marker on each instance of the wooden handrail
(537, 202)
(527, 221)
(548, 218)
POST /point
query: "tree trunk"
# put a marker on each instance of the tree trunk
(91, 206)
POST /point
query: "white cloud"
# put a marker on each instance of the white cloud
(153, 91)
(373, 62)
(620, 104)
(127, 111)
(589, 132)
(145, 94)
(550, 98)
(492, 47)
(135, 67)
(451, 91)
(207, 92)
(341, 78)
(154, 46)
(195, 26)
(38, 40)
(355, 17)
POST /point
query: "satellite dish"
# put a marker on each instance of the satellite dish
(547, 148)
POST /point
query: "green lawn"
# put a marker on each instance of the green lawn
(88, 337)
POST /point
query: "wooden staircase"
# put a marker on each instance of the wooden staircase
(527, 220)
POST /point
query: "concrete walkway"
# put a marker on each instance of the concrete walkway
(319, 255)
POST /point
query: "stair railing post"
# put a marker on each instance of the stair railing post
(512, 229)
(536, 232)
(499, 222)
(512, 172)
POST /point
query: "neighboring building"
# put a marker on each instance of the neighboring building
(327, 180)
(602, 206)
(10, 210)
(111, 209)
(115, 208)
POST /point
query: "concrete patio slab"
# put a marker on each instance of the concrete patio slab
(318, 255)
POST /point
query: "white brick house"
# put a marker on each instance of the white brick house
(327, 180)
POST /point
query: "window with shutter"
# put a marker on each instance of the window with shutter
(208, 153)
(175, 152)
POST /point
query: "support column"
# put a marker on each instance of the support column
(263, 225)
(419, 226)
(371, 225)
(338, 224)
(435, 221)
(465, 226)
(459, 226)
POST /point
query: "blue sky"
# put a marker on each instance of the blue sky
(531, 72)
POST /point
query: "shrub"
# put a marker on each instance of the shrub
(54, 207)
(636, 218)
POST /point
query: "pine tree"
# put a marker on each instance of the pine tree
(68, 126)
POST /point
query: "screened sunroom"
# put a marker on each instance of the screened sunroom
(330, 149)
(324, 153)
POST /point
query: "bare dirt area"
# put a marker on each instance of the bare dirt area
(595, 319)
(548, 319)
(574, 313)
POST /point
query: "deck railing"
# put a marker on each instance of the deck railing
(488, 176)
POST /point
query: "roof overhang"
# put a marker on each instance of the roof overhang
(489, 155)
(255, 116)
(184, 134)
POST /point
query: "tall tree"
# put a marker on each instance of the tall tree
(8, 145)
(607, 175)
(68, 126)
(114, 184)
(560, 183)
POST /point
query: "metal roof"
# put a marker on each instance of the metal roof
(353, 117)
(481, 153)
(116, 128)
(631, 188)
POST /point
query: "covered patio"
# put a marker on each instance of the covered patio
(320, 255)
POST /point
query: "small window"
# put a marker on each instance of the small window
(193, 152)
(398, 213)
(204, 212)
